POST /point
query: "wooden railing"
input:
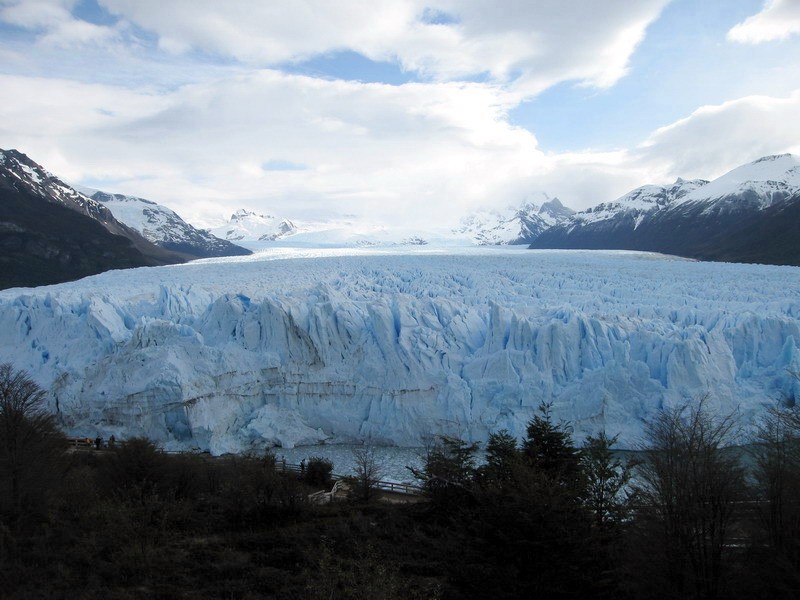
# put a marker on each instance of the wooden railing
(399, 488)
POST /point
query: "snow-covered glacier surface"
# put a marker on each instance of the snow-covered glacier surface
(291, 348)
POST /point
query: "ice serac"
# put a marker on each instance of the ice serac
(392, 348)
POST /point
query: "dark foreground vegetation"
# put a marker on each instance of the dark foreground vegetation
(540, 519)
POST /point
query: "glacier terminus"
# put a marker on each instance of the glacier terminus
(393, 345)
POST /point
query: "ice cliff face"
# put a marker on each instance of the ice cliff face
(234, 354)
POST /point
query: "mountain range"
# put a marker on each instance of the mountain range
(50, 232)
(512, 225)
(247, 225)
(750, 214)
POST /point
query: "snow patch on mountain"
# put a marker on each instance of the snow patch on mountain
(756, 185)
(750, 214)
(257, 231)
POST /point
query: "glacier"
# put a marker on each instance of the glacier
(391, 346)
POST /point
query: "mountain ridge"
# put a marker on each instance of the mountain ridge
(163, 227)
(50, 233)
(749, 214)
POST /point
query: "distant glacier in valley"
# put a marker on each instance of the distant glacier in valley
(391, 346)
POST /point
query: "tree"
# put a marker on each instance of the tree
(136, 470)
(689, 486)
(31, 446)
(449, 471)
(317, 472)
(549, 450)
(503, 461)
(607, 479)
(777, 475)
(367, 472)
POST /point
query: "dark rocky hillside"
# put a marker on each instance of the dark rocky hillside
(49, 233)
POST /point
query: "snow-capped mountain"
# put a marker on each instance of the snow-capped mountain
(632, 208)
(514, 225)
(245, 225)
(23, 174)
(750, 214)
(335, 232)
(165, 228)
(393, 346)
(49, 232)
(759, 184)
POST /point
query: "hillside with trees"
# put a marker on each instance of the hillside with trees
(538, 517)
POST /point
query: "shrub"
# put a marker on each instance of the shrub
(317, 472)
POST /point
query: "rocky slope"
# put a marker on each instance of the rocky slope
(51, 233)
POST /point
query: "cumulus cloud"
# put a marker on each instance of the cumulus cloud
(536, 43)
(714, 139)
(389, 152)
(53, 19)
(778, 20)
(418, 153)
(209, 137)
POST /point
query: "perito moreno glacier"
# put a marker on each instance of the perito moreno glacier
(287, 348)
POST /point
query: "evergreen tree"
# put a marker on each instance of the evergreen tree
(550, 451)
(607, 479)
(449, 471)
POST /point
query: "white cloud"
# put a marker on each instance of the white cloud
(54, 21)
(411, 152)
(36, 14)
(537, 43)
(418, 153)
(778, 20)
(714, 139)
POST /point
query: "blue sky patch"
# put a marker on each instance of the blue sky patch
(283, 165)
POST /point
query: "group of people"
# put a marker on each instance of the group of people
(98, 442)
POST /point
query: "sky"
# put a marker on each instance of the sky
(413, 112)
